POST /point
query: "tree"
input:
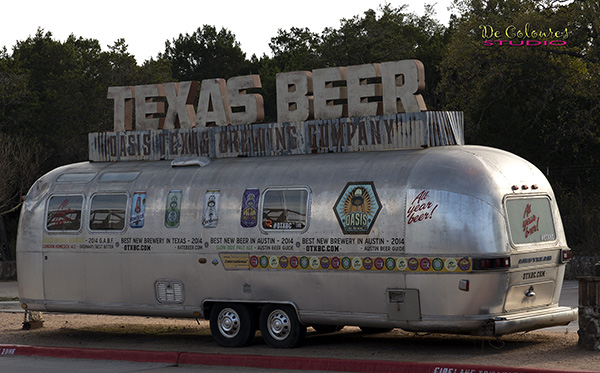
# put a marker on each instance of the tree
(205, 54)
(20, 160)
(52, 94)
(538, 101)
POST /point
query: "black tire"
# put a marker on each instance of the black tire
(280, 327)
(324, 329)
(370, 330)
(232, 324)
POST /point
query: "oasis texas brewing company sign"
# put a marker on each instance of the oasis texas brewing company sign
(353, 108)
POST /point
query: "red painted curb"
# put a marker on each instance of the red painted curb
(265, 362)
(92, 353)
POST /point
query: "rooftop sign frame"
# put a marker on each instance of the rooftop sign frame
(337, 109)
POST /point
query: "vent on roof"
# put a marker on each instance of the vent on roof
(190, 161)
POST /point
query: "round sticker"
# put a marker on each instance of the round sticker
(437, 264)
(254, 261)
(294, 262)
(367, 263)
(304, 262)
(356, 263)
(450, 265)
(346, 262)
(401, 264)
(314, 262)
(390, 263)
(273, 262)
(324, 262)
(264, 261)
(379, 263)
(464, 264)
(335, 262)
(425, 264)
(283, 262)
(413, 264)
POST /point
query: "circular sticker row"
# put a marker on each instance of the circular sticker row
(413, 264)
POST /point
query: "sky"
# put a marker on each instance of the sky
(146, 25)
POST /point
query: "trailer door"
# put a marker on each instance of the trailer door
(536, 275)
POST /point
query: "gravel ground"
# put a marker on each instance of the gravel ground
(550, 350)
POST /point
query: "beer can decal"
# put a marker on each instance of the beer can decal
(138, 210)
(249, 216)
(173, 211)
(210, 217)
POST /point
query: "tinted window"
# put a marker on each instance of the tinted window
(82, 177)
(530, 220)
(107, 212)
(284, 209)
(118, 176)
(64, 213)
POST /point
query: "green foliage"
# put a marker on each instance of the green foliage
(540, 102)
(205, 54)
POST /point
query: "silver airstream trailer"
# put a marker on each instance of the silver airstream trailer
(458, 239)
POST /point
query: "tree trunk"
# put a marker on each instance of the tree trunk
(4, 250)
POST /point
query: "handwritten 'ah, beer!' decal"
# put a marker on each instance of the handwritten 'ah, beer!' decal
(421, 207)
(357, 207)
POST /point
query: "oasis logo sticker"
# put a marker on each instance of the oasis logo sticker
(357, 207)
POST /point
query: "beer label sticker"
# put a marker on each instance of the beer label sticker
(401, 264)
(138, 210)
(210, 217)
(173, 210)
(451, 265)
(314, 262)
(437, 264)
(249, 216)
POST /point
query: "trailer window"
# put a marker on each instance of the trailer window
(530, 220)
(112, 177)
(64, 213)
(107, 212)
(78, 177)
(284, 209)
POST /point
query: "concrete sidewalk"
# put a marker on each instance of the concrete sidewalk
(9, 289)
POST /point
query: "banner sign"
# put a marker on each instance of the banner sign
(399, 131)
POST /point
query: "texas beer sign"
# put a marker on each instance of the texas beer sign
(338, 109)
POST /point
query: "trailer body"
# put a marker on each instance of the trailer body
(458, 239)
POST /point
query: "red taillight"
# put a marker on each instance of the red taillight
(491, 263)
(566, 255)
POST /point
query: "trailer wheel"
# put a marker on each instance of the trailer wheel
(232, 325)
(280, 326)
